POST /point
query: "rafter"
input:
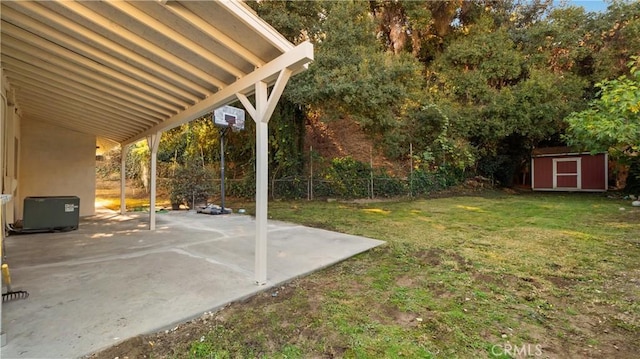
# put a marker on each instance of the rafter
(79, 110)
(214, 33)
(82, 47)
(22, 69)
(70, 113)
(82, 98)
(44, 114)
(83, 61)
(177, 37)
(49, 63)
(110, 26)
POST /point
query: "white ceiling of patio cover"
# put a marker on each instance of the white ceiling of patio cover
(122, 70)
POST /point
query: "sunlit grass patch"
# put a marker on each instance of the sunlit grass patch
(376, 210)
(470, 208)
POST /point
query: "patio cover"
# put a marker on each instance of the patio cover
(129, 70)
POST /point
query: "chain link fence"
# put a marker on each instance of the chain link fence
(310, 188)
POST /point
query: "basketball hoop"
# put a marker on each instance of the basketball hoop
(229, 117)
(226, 117)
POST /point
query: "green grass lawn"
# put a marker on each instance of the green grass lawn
(496, 275)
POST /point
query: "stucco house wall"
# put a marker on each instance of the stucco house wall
(55, 161)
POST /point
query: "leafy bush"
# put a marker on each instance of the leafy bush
(386, 185)
(241, 188)
(347, 177)
(191, 183)
(424, 182)
(290, 187)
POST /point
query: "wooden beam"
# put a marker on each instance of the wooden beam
(123, 178)
(262, 182)
(248, 106)
(87, 110)
(245, 14)
(295, 60)
(276, 92)
(270, 102)
(75, 116)
(76, 127)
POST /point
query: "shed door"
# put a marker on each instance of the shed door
(566, 173)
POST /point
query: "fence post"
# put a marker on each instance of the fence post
(371, 169)
(310, 183)
(411, 169)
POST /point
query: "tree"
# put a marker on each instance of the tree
(353, 77)
(508, 84)
(614, 37)
(296, 20)
(612, 121)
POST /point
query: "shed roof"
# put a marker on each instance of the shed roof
(125, 69)
(558, 150)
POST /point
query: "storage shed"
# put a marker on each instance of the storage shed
(561, 169)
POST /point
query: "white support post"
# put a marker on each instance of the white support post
(262, 183)
(123, 178)
(261, 113)
(262, 190)
(3, 120)
(270, 103)
(153, 141)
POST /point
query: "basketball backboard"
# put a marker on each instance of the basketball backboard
(229, 116)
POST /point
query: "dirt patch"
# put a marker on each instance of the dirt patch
(434, 257)
(483, 277)
(463, 263)
(344, 138)
(561, 282)
(405, 281)
(590, 329)
(431, 257)
(159, 345)
(598, 333)
(280, 293)
(406, 319)
(131, 348)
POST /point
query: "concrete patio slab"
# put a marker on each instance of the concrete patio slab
(112, 279)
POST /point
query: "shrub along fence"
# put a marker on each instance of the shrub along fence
(340, 178)
(346, 187)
